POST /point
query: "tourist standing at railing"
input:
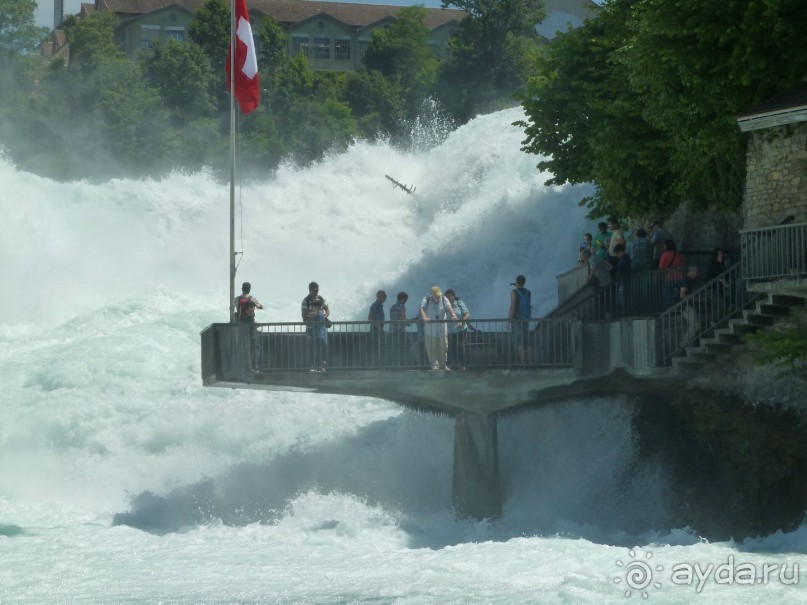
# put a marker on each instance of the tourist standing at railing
(245, 305)
(641, 252)
(456, 340)
(670, 260)
(601, 241)
(520, 315)
(434, 310)
(689, 284)
(397, 328)
(617, 237)
(376, 318)
(307, 310)
(623, 271)
(658, 235)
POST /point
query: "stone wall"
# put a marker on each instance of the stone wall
(776, 180)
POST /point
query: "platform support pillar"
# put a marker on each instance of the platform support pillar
(476, 490)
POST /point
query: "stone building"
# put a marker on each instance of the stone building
(776, 177)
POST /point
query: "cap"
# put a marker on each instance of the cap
(436, 291)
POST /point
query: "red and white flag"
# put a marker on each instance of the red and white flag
(246, 61)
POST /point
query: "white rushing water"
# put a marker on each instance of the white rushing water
(122, 480)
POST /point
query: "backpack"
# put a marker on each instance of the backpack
(524, 309)
(246, 308)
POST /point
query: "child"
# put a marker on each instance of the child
(318, 333)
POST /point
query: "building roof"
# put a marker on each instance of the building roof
(788, 108)
(293, 11)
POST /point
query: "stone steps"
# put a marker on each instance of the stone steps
(719, 346)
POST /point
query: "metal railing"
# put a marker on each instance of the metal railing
(355, 345)
(708, 307)
(639, 294)
(774, 252)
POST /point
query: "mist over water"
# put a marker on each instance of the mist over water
(122, 480)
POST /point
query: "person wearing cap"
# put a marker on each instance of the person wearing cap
(434, 310)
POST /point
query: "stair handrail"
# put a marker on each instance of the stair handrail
(708, 307)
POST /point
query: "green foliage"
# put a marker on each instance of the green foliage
(401, 53)
(19, 33)
(210, 29)
(582, 115)
(489, 54)
(786, 349)
(643, 99)
(274, 42)
(91, 39)
(182, 74)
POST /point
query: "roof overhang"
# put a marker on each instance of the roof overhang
(779, 117)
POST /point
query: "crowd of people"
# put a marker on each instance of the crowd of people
(437, 311)
(611, 260)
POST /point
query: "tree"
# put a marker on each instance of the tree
(697, 69)
(274, 42)
(91, 39)
(582, 116)
(401, 53)
(210, 29)
(19, 33)
(182, 74)
(490, 52)
(643, 99)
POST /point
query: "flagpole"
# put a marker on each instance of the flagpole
(232, 161)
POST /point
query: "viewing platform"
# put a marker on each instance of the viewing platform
(632, 337)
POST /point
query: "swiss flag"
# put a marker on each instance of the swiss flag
(246, 62)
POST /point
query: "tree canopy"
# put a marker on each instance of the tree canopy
(18, 30)
(643, 100)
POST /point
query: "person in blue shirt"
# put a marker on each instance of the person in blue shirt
(456, 340)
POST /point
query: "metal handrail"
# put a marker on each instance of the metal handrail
(774, 252)
(708, 307)
(356, 345)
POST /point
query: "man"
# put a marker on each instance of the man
(688, 285)
(313, 294)
(520, 315)
(313, 307)
(658, 235)
(599, 245)
(456, 342)
(245, 306)
(376, 318)
(397, 316)
(434, 310)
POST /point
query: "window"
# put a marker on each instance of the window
(148, 33)
(175, 33)
(299, 44)
(322, 48)
(341, 49)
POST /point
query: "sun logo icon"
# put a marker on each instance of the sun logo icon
(638, 574)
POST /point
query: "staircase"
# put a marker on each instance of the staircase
(766, 311)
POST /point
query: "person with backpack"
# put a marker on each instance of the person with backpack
(520, 315)
(245, 305)
(434, 310)
(456, 341)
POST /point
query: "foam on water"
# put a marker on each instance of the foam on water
(122, 480)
